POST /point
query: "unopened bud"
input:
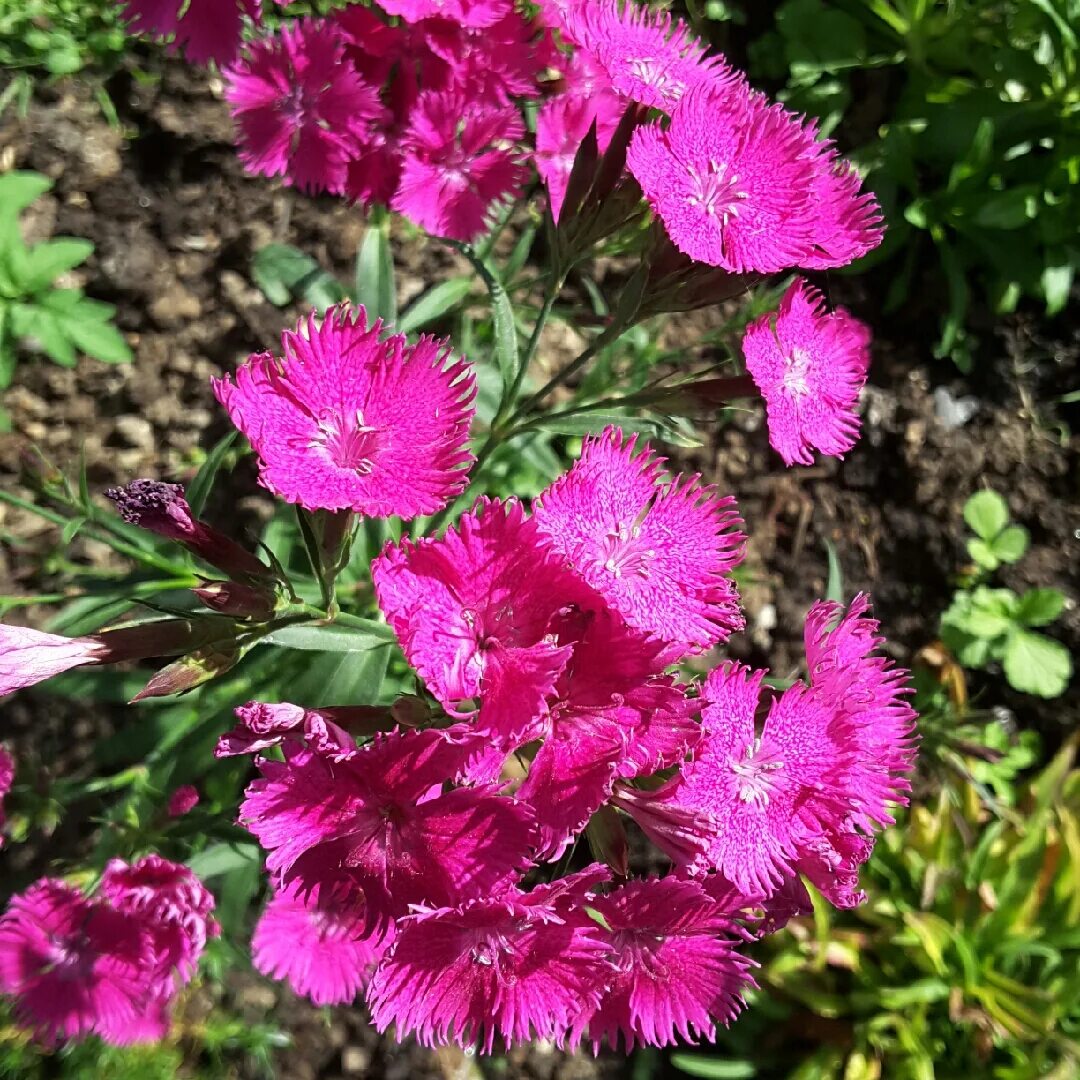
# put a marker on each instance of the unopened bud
(156, 637)
(161, 508)
(192, 670)
(607, 840)
(240, 601)
(359, 719)
(182, 801)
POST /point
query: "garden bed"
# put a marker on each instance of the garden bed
(176, 224)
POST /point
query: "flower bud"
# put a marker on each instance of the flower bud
(607, 840)
(410, 711)
(240, 601)
(182, 801)
(192, 670)
(161, 508)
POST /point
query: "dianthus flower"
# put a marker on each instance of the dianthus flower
(809, 365)
(300, 110)
(677, 968)
(460, 162)
(737, 184)
(519, 966)
(483, 614)
(831, 861)
(477, 13)
(657, 551)
(7, 778)
(350, 420)
(30, 656)
(613, 716)
(73, 966)
(208, 30)
(649, 57)
(380, 822)
(319, 948)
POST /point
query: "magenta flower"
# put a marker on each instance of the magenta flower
(209, 30)
(380, 822)
(478, 13)
(461, 161)
(320, 949)
(677, 969)
(517, 966)
(72, 966)
(182, 801)
(737, 182)
(831, 861)
(657, 550)
(479, 614)
(649, 57)
(300, 110)
(7, 778)
(30, 656)
(809, 365)
(351, 419)
(613, 716)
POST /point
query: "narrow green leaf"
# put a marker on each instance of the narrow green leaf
(834, 588)
(713, 1068)
(345, 678)
(283, 272)
(587, 423)
(333, 638)
(434, 303)
(199, 489)
(223, 858)
(507, 353)
(18, 189)
(45, 331)
(48, 260)
(97, 339)
(375, 288)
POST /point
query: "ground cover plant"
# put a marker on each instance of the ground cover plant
(451, 701)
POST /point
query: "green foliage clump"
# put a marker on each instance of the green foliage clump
(975, 146)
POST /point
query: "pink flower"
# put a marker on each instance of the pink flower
(7, 778)
(742, 185)
(479, 13)
(29, 656)
(208, 29)
(649, 57)
(676, 965)
(300, 110)
(380, 822)
(613, 716)
(320, 949)
(72, 966)
(831, 861)
(460, 162)
(517, 966)
(351, 419)
(657, 550)
(182, 801)
(809, 365)
(479, 614)
(561, 125)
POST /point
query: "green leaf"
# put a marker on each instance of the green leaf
(47, 261)
(375, 287)
(333, 638)
(1011, 209)
(18, 189)
(507, 355)
(1039, 606)
(1011, 543)
(434, 303)
(283, 272)
(223, 858)
(1056, 283)
(587, 423)
(1036, 664)
(834, 589)
(341, 678)
(199, 489)
(986, 513)
(44, 330)
(982, 554)
(711, 1068)
(100, 340)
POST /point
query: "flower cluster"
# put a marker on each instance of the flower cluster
(110, 964)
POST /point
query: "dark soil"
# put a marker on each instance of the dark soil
(176, 223)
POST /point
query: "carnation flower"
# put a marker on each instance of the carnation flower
(737, 182)
(517, 966)
(300, 110)
(613, 716)
(7, 778)
(809, 365)
(657, 551)
(350, 420)
(319, 948)
(649, 57)
(182, 801)
(676, 965)
(477, 13)
(208, 30)
(380, 822)
(479, 614)
(30, 656)
(72, 966)
(460, 161)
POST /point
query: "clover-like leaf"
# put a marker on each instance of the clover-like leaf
(986, 514)
(1036, 664)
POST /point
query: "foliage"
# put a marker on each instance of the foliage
(34, 310)
(986, 625)
(965, 117)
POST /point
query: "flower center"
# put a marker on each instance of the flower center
(796, 369)
(347, 441)
(70, 958)
(654, 71)
(622, 553)
(492, 949)
(756, 775)
(327, 925)
(294, 106)
(716, 191)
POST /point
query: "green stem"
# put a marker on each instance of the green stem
(609, 334)
(510, 397)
